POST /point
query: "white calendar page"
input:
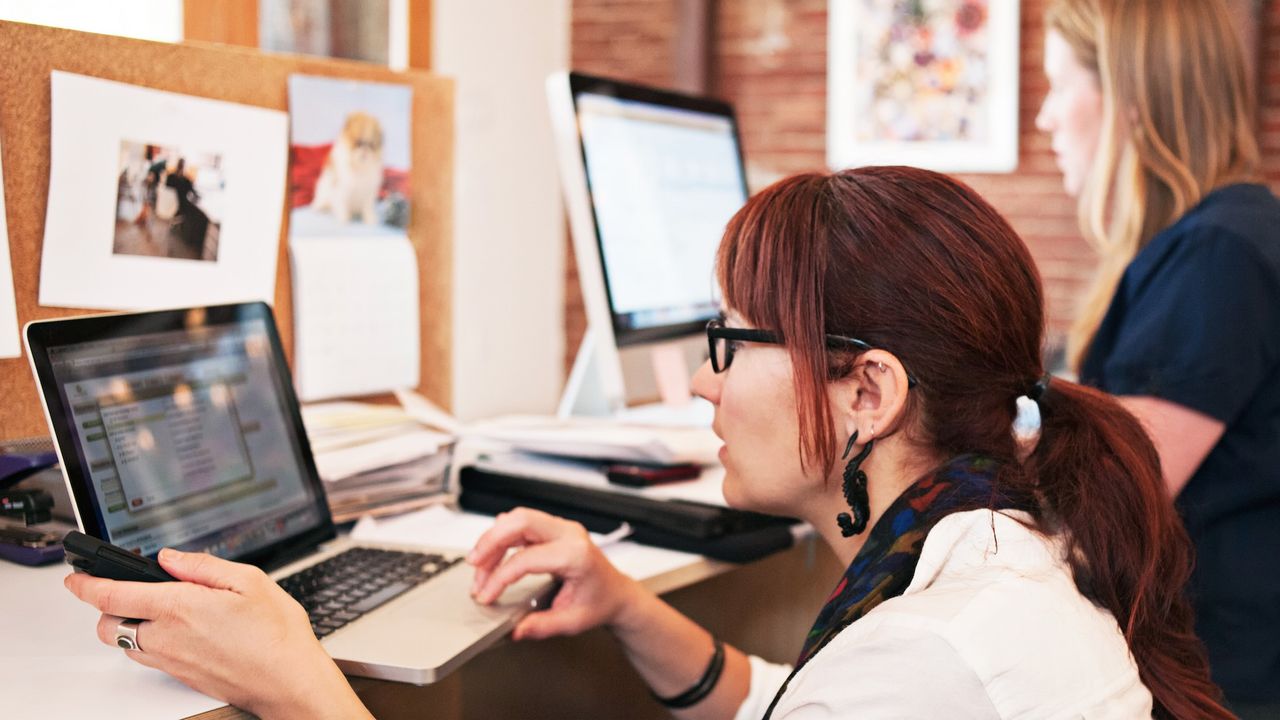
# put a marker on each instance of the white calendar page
(9, 343)
(355, 315)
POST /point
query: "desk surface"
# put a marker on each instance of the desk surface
(51, 644)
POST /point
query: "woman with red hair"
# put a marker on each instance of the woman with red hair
(880, 325)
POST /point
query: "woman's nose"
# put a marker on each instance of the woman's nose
(1043, 117)
(706, 383)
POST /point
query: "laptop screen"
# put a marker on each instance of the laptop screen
(184, 431)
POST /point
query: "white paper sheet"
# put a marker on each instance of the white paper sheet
(355, 315)
(9, 342)
(347, 462)
(54, 666)
(428, 413)
(92, 122)
(343, 424)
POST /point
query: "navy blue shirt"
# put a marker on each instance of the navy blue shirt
(1196, 321)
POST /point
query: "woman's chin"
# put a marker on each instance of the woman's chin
(736, 497)
(1072, 184)
(732, 491)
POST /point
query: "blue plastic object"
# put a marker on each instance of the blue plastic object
(16, 466)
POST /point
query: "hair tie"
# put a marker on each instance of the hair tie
(1040, 388)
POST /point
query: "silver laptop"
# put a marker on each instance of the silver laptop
(180, 428)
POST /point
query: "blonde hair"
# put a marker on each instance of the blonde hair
(1178, 117)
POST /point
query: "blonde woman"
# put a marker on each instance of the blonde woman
(1151, 121)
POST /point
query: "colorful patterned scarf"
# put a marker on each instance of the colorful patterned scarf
(885, 565)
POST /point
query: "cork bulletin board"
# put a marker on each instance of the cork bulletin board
(219, 72)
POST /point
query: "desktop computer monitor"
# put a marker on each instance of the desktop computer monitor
(651, 178)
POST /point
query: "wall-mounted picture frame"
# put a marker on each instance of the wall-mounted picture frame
(928, 83)
(370, 30)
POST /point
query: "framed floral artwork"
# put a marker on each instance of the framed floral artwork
(929, 83)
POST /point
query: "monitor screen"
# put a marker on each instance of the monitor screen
(665, 175)
(185, 438)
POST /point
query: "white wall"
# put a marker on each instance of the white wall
(509, 234)
(146, 19)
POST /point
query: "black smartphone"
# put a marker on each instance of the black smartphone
(102, 559)
(639, 475)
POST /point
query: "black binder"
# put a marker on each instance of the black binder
(712, 530)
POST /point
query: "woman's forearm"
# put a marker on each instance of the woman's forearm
(669, 650)
(671, 653)
(332, 698)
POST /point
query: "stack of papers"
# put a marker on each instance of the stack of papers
(376, 459)
(602, 439)
(383, 459)
(576, 437)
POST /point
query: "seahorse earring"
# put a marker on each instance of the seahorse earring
(855, 490)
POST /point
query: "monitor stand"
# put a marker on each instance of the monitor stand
(596, 389)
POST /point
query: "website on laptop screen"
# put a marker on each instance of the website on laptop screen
(185, 439)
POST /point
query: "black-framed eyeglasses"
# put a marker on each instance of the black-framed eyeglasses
(722, 341)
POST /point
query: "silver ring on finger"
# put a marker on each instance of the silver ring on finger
(127, 635)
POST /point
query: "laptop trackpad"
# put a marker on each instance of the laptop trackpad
(425, 633)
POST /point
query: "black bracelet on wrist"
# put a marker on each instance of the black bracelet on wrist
(703, 687)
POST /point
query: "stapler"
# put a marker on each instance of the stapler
(29, 546)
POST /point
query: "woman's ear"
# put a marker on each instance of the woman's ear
(874, 396)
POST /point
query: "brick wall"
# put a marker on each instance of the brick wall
(769, 59)
(630, 39)
(1269, 96)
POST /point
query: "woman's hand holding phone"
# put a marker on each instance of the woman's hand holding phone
(226, 630)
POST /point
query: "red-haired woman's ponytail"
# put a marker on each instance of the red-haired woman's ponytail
(1099, 477)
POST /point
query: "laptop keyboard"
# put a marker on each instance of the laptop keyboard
(344, 587)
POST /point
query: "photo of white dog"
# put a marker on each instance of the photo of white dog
(350, 146)
(352, 175)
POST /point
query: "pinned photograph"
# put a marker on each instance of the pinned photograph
(159, 199)
(168, 202)
(349, 157)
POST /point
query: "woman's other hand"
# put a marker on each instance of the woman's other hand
(230, 632)
(593, 591)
